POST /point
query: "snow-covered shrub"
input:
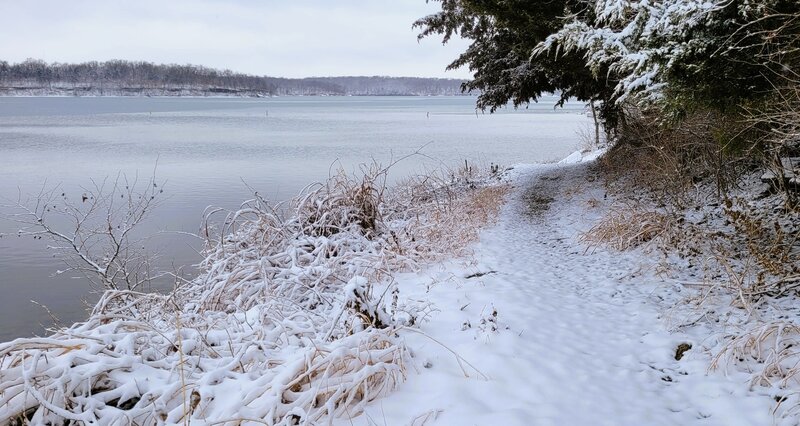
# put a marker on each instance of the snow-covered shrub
(294, 320)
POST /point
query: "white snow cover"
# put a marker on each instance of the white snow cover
(573, 158)
(548, 333)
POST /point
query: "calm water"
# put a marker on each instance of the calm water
(206, 148)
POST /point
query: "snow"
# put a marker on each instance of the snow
(579, 337)
(573, 158)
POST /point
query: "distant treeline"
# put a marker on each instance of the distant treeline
(118, 77)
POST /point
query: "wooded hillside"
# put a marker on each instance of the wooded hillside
(119, 77)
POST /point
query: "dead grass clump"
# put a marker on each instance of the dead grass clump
(466, 216)
(439, 215)
(770, 350)
(627, 228)
(57, 380)
(343, 202)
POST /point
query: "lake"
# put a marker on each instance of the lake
(208, 151)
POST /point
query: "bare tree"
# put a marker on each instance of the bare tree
(94, 232)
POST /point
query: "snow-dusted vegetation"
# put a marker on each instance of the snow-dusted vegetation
(294, 320)
(699, 102)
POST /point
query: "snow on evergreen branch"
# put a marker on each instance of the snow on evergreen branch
(636, 40)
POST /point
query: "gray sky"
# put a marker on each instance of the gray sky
(290, 38)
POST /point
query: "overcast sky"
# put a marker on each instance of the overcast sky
(290, 38)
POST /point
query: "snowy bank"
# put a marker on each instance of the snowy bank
(296, 318)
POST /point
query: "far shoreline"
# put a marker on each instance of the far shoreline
(4, 92)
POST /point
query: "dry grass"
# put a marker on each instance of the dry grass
(770, 350)
(624, 228)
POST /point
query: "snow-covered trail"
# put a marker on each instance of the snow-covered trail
(580, 339)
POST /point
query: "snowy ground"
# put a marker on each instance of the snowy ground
(581, 336)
